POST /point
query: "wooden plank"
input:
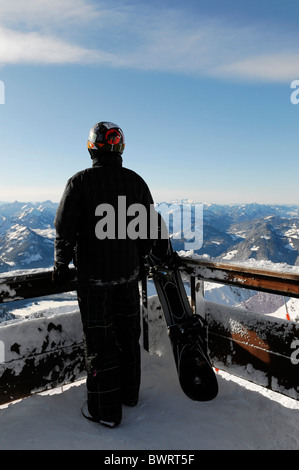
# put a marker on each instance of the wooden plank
(27, 286)
(256, 279)
(260, 349)
(37, 374)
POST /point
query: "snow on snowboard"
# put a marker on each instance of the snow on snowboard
(187, 331)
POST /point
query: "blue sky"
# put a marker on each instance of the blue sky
(201, 89)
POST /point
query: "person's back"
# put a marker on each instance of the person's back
(91, 224)
(94, 210)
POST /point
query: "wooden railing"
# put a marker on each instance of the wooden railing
(43, 352)
(29, 286)
(275, 282)
(258, 347)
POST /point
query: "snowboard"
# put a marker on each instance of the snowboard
(187, 331)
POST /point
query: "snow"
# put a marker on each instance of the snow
(230, 254)
(46, 233)
(244, 416)
(241, 417)
(292, 232)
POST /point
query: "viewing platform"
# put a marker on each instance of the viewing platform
(42, 353)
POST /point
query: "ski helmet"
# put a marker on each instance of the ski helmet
(105, 136)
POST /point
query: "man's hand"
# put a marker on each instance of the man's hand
(61, 273)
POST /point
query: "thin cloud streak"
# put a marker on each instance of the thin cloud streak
(34, 48)
(42, 13)
(270, 68)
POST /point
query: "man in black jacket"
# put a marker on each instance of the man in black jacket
(92, 228)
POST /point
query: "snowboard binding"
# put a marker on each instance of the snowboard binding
(189, 331)
(163, 267)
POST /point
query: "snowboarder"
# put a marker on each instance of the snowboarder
(89, 231)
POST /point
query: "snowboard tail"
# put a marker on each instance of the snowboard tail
(196, 375)
(187, 331)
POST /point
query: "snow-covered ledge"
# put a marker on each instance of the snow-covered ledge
(40, 353)
(261, 349)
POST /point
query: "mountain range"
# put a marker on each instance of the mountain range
(26, 235)
(236, 232)
(239, 232)
(252, 231)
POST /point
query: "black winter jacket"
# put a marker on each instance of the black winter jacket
(108, 260)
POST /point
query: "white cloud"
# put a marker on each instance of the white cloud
(35, 48)
(42, 32)
(142, 37)
(170, 41)
(212, 47)
(19, 48)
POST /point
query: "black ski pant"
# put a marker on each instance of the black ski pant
(111, 325)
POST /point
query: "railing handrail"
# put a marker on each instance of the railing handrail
(191, 262)
(32, 285)
(39, 284)
(275, 282)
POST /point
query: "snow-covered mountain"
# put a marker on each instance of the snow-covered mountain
(249, 231)
(230, 233)
(26, 235)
